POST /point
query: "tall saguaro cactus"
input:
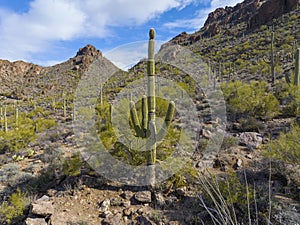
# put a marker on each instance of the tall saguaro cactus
(272, 59)
(297, 68)
(5, 120)
(147, 127)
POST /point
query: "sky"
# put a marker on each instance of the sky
(47, 32)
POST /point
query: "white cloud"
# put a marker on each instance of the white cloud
(128, 55)
(47, 21)
(199, 19)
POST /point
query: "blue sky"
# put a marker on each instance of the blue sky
(47, 32)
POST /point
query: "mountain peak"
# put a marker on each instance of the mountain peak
(89, 50)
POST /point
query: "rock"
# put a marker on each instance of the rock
(42, 207)
(251, 140)
(127, 212)
(181, 191)
(113, 220)
(51, 192)
(143, 220)
(105, 205)
(35, 221)
(127, 195)
(249, 156)
(143, 196)
(238, 164)
(272, 9)
(206, 134)
(159, 200)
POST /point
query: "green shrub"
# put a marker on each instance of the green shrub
(286, 147)
(250, 99)
(15, 140)
(229, 141)
(44, 124)
(72, 166)
(251, 124)
(14, 208)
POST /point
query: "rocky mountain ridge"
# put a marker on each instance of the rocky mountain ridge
(245, 16)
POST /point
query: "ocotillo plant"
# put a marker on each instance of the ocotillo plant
(147, 127)
(297, 67)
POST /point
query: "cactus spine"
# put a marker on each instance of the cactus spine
(297, 68)
(147, 127)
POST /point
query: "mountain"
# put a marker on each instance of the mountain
(22, 80)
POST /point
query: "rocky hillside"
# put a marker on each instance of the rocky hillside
(21, 80)
(252, 178)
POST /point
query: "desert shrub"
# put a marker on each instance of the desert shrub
(251, 124)
(229, 141)
(14, 208)
(227, 199)
(14, 140)
(44, 124)
(72, 166)
(286, 147)
(250, 99)
(292, 98)
(10, 175)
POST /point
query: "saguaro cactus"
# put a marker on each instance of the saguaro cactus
(272, 59)
(297, 67)
(17, 118)
(5, 120)
(147, 127)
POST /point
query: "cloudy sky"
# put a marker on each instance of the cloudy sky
(47, 32)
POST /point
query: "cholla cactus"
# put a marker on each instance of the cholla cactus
(147, 127)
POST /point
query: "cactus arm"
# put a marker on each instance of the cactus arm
(297, 68)
(151, 142)
(144, 115)
(135, 120)
(170, 113)
(169, 116)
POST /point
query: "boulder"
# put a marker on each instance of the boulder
(251, 140)
(143, 196)
(35, 221)
(42, 207)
